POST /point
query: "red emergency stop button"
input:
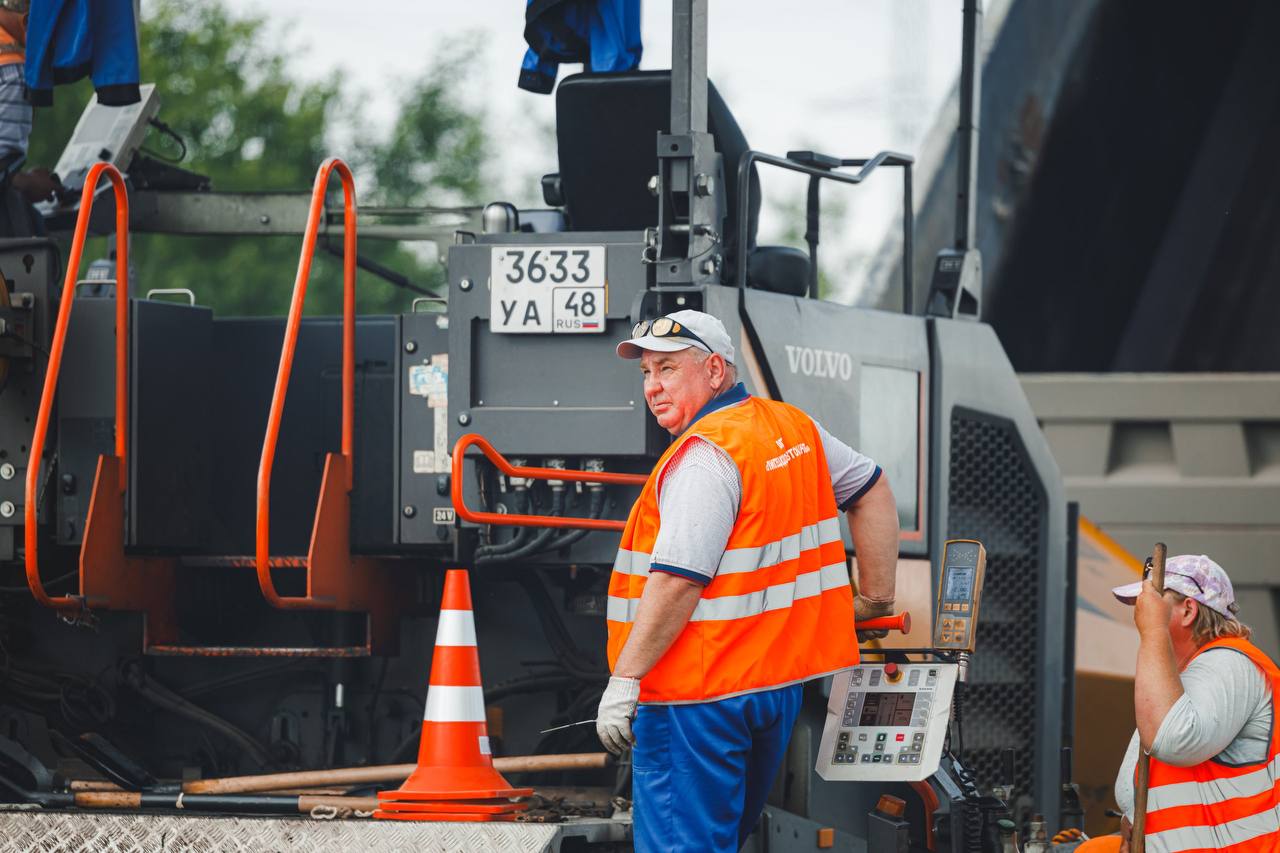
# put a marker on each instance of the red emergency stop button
(891, 672)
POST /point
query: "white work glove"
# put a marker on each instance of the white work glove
(617, 709)
(870, 608)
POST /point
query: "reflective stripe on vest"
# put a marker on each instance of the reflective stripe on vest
(1211, 805)
(825, 532)
(725, 607)
(780, 608)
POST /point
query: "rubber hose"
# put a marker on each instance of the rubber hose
(538, 543)
(162, 697)
(486, 552)
(594, 510)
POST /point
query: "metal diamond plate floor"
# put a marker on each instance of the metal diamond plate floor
(79, 832)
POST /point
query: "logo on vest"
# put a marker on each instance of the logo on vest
(820, 363)
(784, 459)
(778, 442)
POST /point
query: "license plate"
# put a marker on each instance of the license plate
(547, 290)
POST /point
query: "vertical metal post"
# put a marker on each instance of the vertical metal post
(956, 289)
(967, 130)
(687, 242)
(813, 212)
(908, 243)
(688, 66)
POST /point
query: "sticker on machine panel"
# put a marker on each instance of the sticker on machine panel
(424, 461)
(442, 515)
(547, 290)
(431, 380)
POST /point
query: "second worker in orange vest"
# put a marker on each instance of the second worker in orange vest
(731, 588)
(1204, 697)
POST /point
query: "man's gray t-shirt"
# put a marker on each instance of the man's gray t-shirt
(1225, 711)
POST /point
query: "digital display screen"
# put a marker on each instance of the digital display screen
(887, 709)
(959, 583)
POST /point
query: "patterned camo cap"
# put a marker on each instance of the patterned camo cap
(1195, 576)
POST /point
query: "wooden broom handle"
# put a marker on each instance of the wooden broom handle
(1138, 841)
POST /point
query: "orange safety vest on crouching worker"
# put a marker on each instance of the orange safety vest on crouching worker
(1217, 806)
(780, 608)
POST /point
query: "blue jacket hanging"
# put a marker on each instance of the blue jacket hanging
(69, 39)
(604, 35)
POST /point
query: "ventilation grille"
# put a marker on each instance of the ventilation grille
(996, 498)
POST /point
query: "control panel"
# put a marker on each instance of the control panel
(964, 564)
(886, 722)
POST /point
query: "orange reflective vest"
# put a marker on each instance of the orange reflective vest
(780, 608)
(1217, 806)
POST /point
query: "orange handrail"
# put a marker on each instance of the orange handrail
(318, 192)
(68, 602)
(516, 520)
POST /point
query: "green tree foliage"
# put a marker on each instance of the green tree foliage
(250, 125)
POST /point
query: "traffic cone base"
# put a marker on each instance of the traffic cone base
(451, 818)
(455, 778)
(456, 806)
(406, 796)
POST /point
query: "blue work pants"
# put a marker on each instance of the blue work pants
(701, 772)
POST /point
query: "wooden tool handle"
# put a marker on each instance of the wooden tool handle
(1138, 841)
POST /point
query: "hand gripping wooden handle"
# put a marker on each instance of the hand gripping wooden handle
(1138, 841)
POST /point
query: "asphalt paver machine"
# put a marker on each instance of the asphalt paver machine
(224, 538)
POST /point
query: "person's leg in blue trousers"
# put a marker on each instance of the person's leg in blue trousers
(701, 772)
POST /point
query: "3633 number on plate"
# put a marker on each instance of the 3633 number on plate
(547, 289)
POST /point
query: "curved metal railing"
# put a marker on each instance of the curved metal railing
(516, 520)
(262, 559)
(47, 393)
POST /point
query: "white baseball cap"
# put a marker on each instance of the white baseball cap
(1194, 576)
(677, 331)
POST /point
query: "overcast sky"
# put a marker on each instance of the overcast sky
(846, 77)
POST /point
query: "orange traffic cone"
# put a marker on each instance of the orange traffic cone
(455, 779)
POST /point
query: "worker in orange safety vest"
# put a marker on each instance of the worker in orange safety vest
(731, 588)
(1205, 702)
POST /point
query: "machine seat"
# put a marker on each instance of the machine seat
(606, 132)
(779, 269)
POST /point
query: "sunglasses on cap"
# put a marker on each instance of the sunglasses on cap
(1146, 573)
(665, 327)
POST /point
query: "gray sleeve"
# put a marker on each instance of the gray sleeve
(1222, 691)
(1124, 778)
(698, 499)
(852, 474)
